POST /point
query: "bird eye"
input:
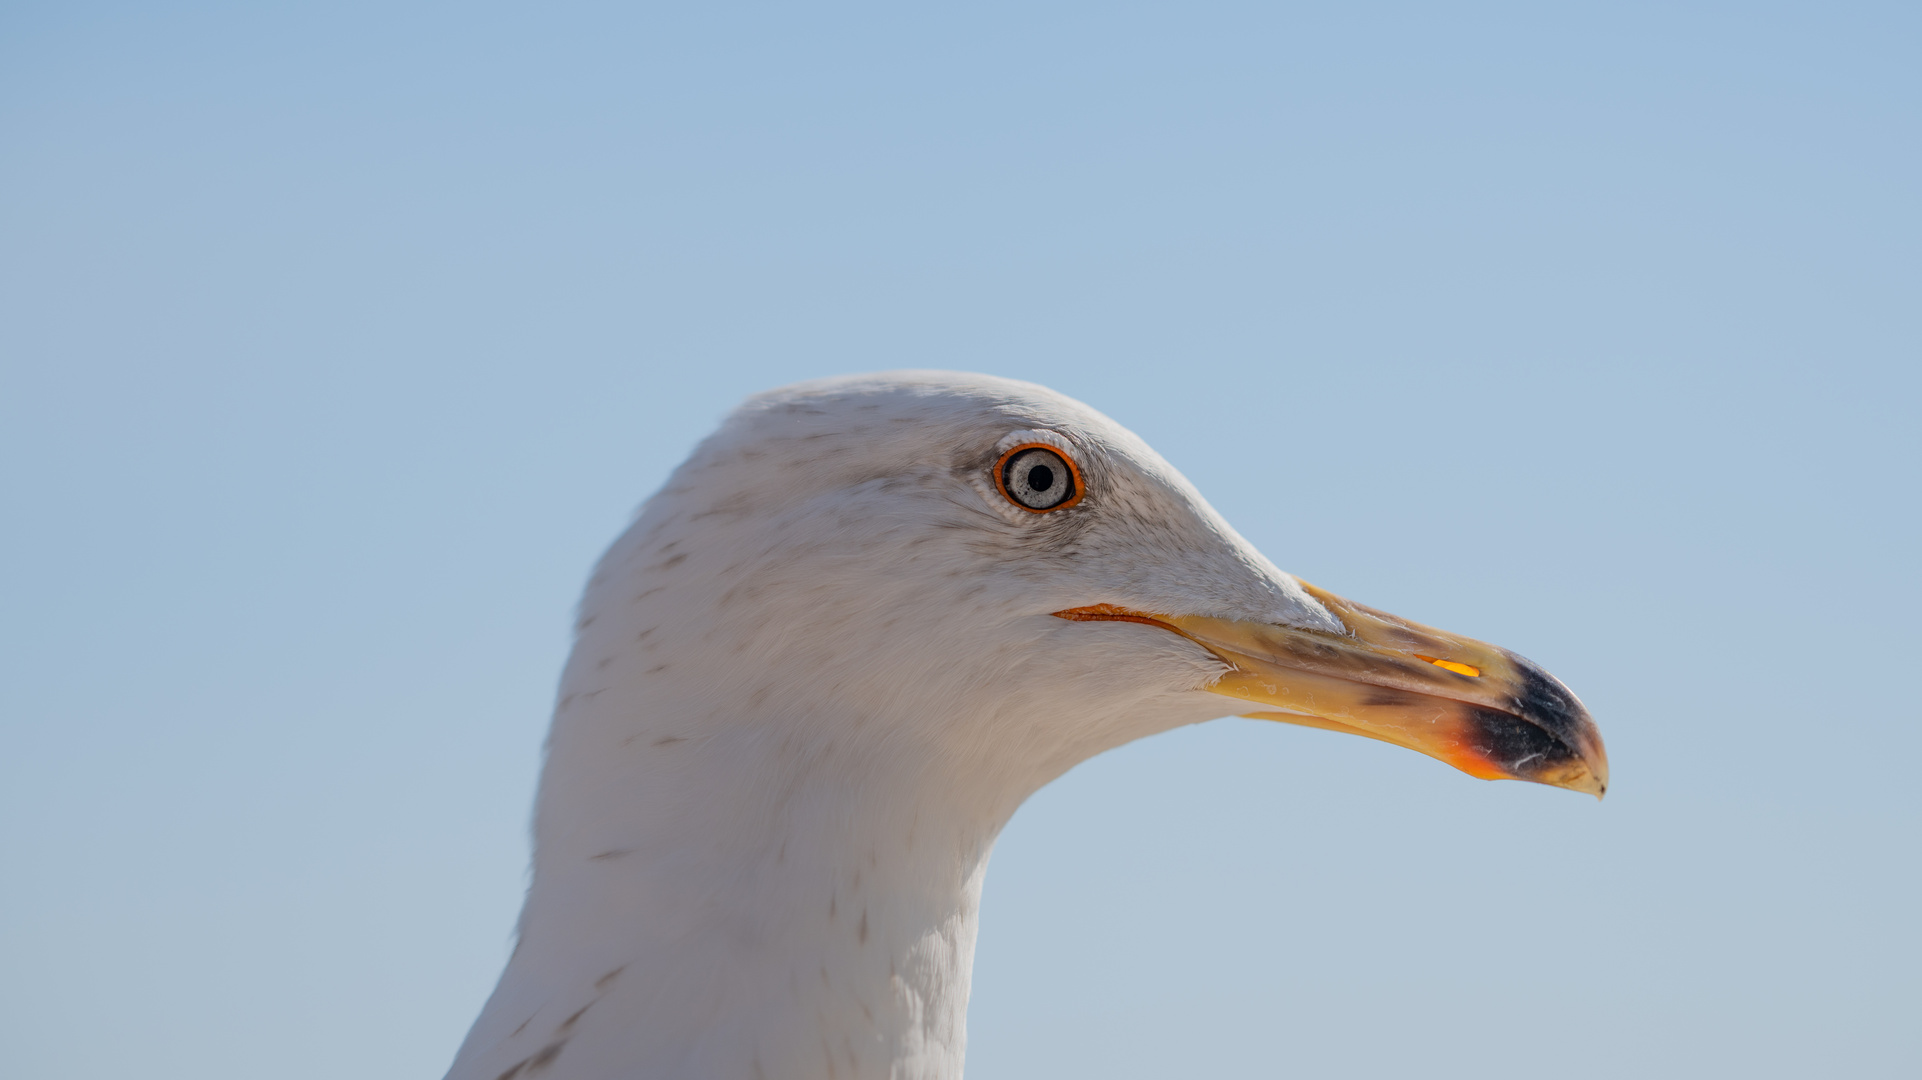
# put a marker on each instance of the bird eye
(1038, 478)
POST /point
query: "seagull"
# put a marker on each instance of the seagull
(814, 679)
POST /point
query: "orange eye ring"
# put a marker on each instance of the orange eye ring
(1074, 477)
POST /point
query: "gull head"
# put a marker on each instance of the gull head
(981, 575)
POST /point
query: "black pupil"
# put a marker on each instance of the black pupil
(1040, 478)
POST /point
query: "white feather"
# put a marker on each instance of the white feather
(811, 684)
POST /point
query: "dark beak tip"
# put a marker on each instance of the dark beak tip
(1547, 704)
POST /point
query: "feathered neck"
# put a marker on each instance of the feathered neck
(735, 904)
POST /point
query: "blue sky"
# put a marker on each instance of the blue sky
(336, 340)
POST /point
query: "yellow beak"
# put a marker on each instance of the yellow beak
(1482, 709)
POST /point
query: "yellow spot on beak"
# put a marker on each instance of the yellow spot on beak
(1469, 670)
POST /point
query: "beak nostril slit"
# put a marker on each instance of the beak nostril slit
(1469, 670)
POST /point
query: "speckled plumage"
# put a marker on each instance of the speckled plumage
(811, 683)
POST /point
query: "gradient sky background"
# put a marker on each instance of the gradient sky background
(339, 338)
